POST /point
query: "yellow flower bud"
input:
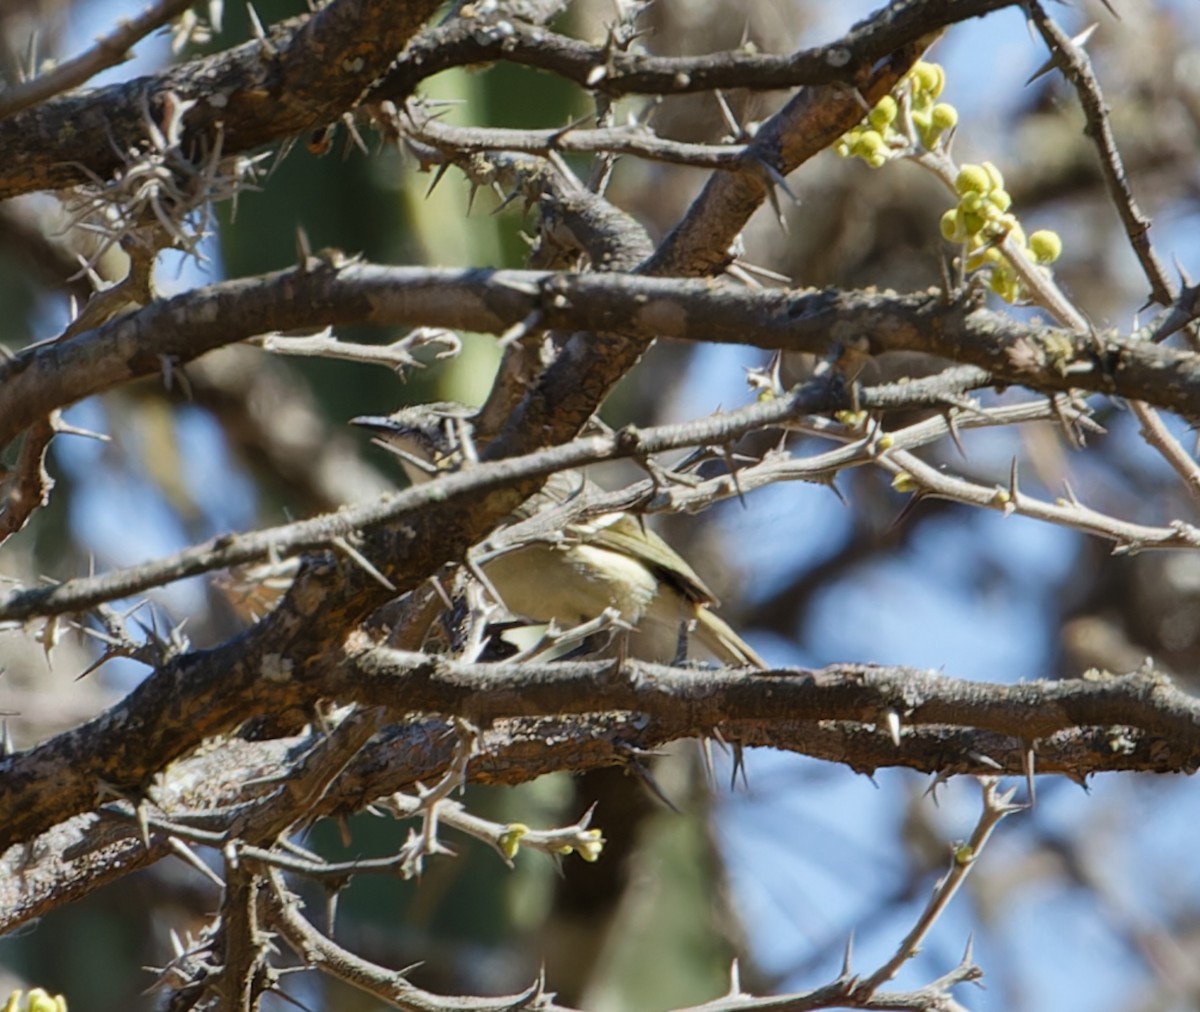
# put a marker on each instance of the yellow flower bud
(973, 222)
(997, 180)
(972, 202)
(868, 143)
(939, 82)
(1005, 283)
(884, 113)
(590, 845)
(951, 225)
(40, 1001)
(944, 116)
(972, 179)
(1000, 199)
(905, 482)
(1045, 245)
(510, 840)
(989, 256)
(929, 77)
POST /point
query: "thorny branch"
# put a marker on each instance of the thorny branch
(54, 375)
(1136, 721)
(201, 798)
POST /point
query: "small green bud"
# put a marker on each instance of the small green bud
(973, 222)
(944, 116)
(951, 225)
(905, 482)
(869, 142)
(929, 77)
(1004, 283)
(590, 845)
(872, 148)
(939, 83)
(972, 179)
(972, 202)
(1045, 245)
(997, 180)
(989, 256)
(510, 840)
(1000, 199)
(884, 113)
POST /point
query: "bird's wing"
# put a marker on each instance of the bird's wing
(626, 533)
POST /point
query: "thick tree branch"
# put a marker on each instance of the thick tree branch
(55, 374)
(311, 69)
(466, 42)
(304, 74)
(947, 726)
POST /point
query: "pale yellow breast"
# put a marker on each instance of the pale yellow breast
(572, 584)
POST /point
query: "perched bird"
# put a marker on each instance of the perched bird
(583, 567)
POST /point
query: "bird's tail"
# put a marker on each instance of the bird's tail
(719, 639)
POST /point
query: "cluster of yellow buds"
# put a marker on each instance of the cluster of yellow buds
(37, 1001)
(981, 220)
(876, 138)
(587, 843)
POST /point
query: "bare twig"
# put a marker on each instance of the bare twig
(1076, 66)
(109, 50)
(996, 806)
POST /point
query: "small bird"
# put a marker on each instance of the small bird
(611, 561)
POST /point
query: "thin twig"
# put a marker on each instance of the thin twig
(109, 50)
